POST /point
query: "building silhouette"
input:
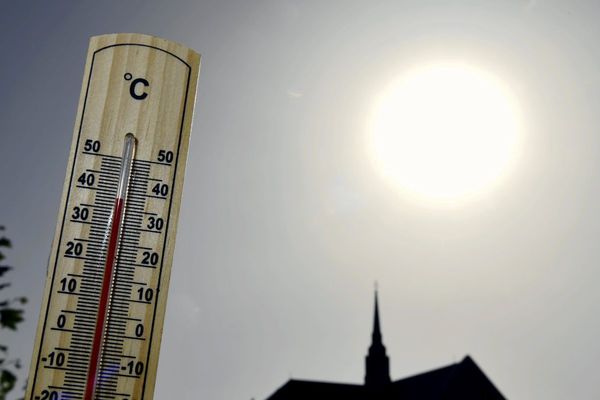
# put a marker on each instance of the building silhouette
(459, 381)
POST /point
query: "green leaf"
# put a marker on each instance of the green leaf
(5, 242)
(7, 382)
(10, 317)
(4, 269)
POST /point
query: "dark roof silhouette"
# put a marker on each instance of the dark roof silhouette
(463, 380)
(460, 381)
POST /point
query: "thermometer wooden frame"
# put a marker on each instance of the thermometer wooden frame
(137, 101)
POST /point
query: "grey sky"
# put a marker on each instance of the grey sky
(285, 224)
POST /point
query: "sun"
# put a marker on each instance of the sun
(445, 132)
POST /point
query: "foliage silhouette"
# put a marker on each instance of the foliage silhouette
(10, 317)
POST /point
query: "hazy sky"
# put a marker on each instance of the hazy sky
(285, 222)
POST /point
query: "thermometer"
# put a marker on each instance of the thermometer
(104, 301)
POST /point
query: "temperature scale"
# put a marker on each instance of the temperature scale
(104, 301)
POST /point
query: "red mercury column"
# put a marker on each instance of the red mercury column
(113, 234)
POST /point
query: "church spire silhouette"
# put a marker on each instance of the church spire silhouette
(377, 361)
(461, 380)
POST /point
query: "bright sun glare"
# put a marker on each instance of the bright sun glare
(444, 132)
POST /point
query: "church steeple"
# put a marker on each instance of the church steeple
(377, 361)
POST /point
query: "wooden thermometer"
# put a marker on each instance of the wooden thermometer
(104, 301)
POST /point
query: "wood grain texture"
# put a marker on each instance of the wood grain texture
(136, 84)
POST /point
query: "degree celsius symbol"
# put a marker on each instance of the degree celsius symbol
(134, 83)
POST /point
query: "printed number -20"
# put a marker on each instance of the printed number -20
(49, 395)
